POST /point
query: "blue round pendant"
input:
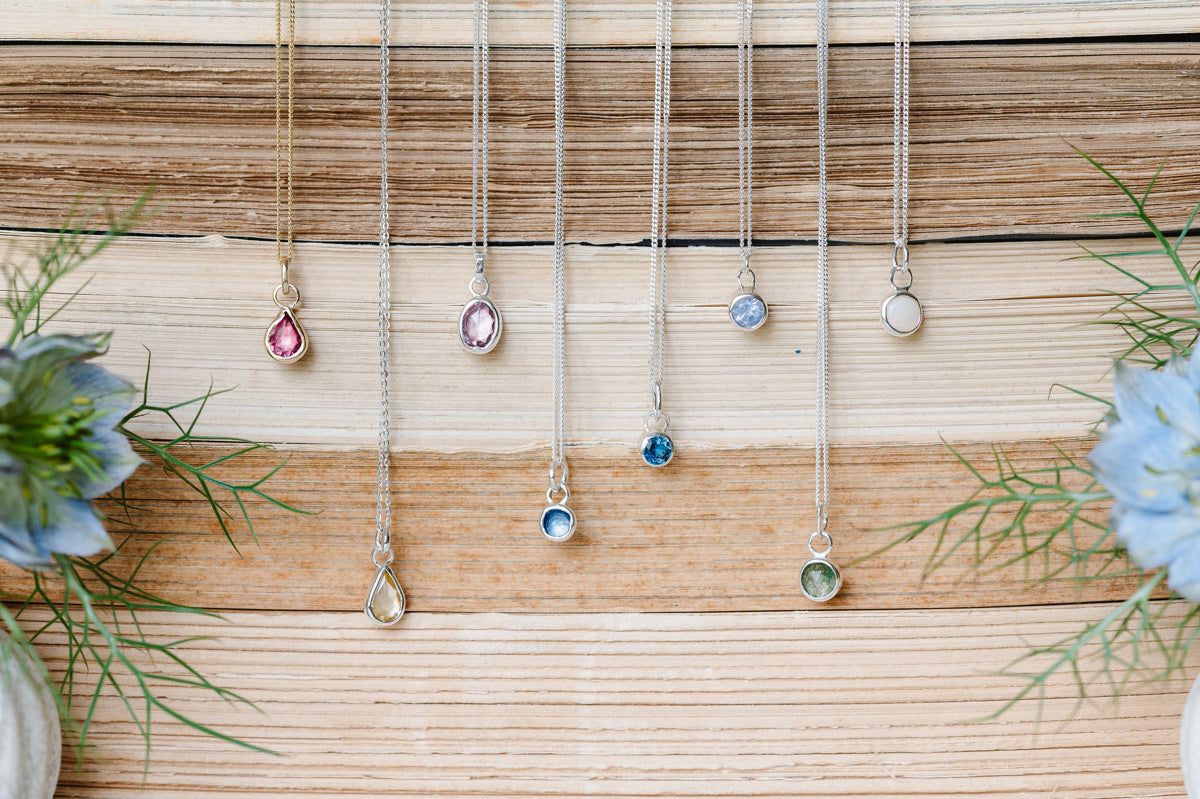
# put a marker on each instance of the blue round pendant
(657, 449)
(558, 522)
(748, 311)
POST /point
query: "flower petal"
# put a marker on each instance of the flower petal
(1145, 467)
(1155, 539)
(117, 459)
(1146, 397)
(74, 529)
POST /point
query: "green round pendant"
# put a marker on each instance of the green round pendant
(820, 579)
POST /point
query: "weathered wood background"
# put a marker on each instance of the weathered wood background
(666, 651)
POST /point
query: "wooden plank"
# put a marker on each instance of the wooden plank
(822, 703)
(716, 531)
(595, 23)
(990, 131)
(1012, 318)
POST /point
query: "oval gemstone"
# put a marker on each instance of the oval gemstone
(657, 449)
(558, 523)
(820, 580)
(748, 311)
(480, 325)
(902, 314)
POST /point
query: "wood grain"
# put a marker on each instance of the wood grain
(783, 704)
(598, 22)
(715, 532)
(1013, 320)
(990, 131)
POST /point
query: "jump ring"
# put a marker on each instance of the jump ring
(480, 279)
(662, 422)
(561, 488)
(386, 560)
(741, 278)
(812, 544)
(893, 278)
(290, 294)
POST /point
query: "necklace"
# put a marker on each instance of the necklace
(901, 312)
(657, 448)
(747, 310)
(385, 602)
(820, 578)
(558, 521)
(480, 322)
(285, 338)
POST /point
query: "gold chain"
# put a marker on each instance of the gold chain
(279, 149)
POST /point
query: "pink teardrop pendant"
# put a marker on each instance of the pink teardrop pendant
(285, 338)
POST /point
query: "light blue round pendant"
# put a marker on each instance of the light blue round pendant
(748, 311)
(558, 522)
(657, 449)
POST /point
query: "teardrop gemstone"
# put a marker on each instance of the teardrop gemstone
(479, 326)
(385, 603)
(285, 338)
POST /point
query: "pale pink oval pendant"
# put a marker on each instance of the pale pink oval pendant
(285, 338)
(479, 326)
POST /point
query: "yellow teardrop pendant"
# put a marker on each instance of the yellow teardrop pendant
(385, 603)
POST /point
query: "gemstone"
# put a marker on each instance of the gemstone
(820, 580)
(385, 603)
(748, 311)
(657, 449)
(479, 325)
(901, 314)
(558, 523)
(285, 337)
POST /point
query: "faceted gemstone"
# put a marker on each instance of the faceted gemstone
(386, 601)
(480, 325)
(819, 579)
(558, 523)
(902, 314)
(748, 311)
(285, 337)
(657, 449)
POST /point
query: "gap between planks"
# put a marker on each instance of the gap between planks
(821, 703)
(593, 23)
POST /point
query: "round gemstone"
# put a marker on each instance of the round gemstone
(657, 449)
(901, 314)
(558, 523)
(480, 325)
(820, 580)
(748, 311)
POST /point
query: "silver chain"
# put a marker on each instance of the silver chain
(558, 463)
(383, 496)
(658, 200)
(900, 137)
(822, 432)
(745, 128)
(479, 136)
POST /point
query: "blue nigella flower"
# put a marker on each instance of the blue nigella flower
(59, 448)
(1149, 460)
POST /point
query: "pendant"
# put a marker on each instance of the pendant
(385, 603)
(558, 522)
(285, 338)
(747, 311)
(820, 579)
(480, 322)
(901, 313)
(657, 448)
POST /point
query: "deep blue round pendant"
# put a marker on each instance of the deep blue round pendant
(657, 449)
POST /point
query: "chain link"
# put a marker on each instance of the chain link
(900, 91)
(284, 256)
(745, 128)
(557, 460)
(480, 127)
(822, 431)
(658, 200)
(383, 495)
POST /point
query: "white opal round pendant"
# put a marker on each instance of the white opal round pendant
(747, 311)
(901, 314)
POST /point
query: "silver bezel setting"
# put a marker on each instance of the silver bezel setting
(883, 313)
(646, 441)
(740, 295)
(283, 311)
(836, 571)
(376, 587)
(462, 337)
(558, 506)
